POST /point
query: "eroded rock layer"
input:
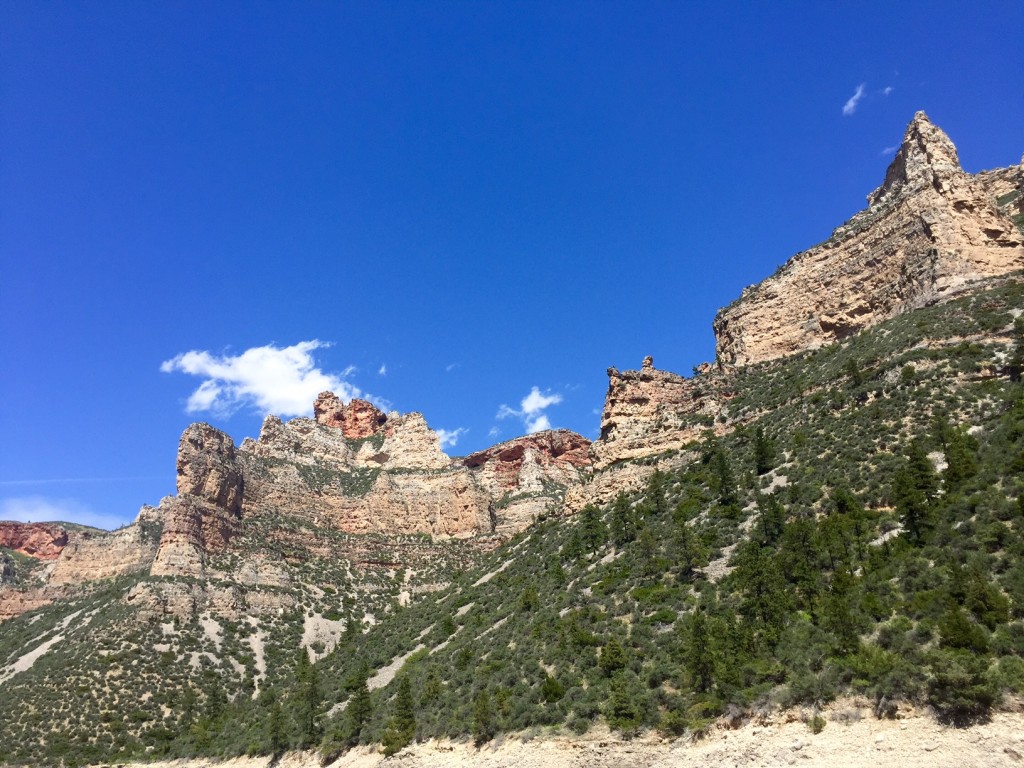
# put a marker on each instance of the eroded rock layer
(43, 541)
(526, 475)
(929, 232)
(647, 412)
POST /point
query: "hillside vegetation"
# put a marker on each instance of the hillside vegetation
(861, 533)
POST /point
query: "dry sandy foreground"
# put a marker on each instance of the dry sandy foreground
(916, 740)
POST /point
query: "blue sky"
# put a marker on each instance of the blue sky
(465, 209)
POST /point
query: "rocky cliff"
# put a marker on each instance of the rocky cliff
(651, 411)
(929, 232)
(351, 469)
(527, 475)
(43, 541)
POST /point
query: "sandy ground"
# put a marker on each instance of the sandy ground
(914, 741)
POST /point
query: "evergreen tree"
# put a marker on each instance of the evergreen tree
(592, 530)
(800, 560)
(687, 551)
(304, 702)
(854, 372)
(624, 710)
(913, 489)
(623, 521)
(766, 599)
(764, 451)
(771, 520)
(484, 726)
(613, 656)
(347, 731)
(961, 459)
(276, 732)
(839, 614)
(401, 727)
(697, 654)
(656, 495)
(723, 479)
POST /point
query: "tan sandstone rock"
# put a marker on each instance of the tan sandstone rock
(930, 231)
(647, 412)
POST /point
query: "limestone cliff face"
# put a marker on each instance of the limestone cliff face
(355, 470)
(207, 468)
(43, 541)
(526, 475)
(1006, 187)
(89, 557)
(929, 232)
(647, 412)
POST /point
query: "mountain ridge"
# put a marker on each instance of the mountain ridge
(353, 539)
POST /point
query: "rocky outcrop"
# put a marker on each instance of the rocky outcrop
(357, 420)
(648, 412)
(527, 463)
(1006, 187)
(527, 475)
(43, 541)
(207, 468)
(193, 529)
(207, 511)
(94, 556)
(929, 232)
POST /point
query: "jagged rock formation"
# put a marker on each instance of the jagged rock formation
(1006, 187)
(930, 231)
(651, 411)
(43, 541)
(356, 420)
(526, 474)
(352, 469)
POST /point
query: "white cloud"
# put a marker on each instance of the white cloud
(451, 367)
(383, 370)
(531, 410)
(493, 432)
(888, 150)
(278, 380)
(39, 509)
(851, 103)
(887, 90)
(538, 424)
(449, 437)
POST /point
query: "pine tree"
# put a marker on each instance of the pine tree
(698, 656)
(613, 657)
(839, 615)
(771, 520)
(592, 530)
(961, 459)
(913, 489)
(304, 701)
(656, 495)
(401, 728)
(623, 521)
(764, 451)
(766, 597)
(483, 718)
